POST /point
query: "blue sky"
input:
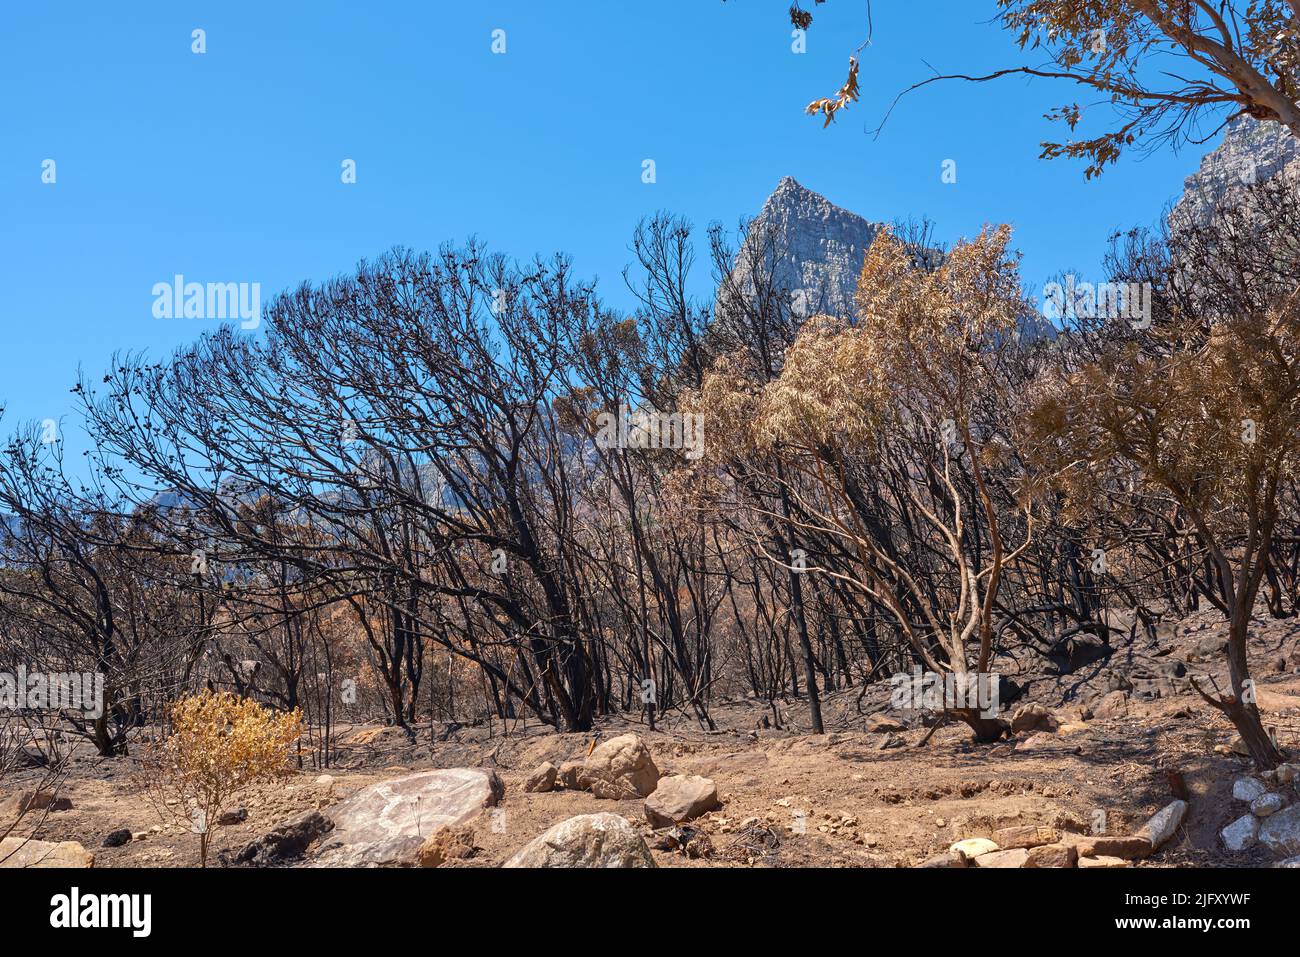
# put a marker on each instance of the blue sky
(225, 167)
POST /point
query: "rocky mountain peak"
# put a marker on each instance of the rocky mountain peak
(818, 247)
(1251, 152)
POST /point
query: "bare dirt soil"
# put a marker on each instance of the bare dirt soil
(848, 798)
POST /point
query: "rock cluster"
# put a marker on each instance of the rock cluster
(1269, 820)
(1037, 845)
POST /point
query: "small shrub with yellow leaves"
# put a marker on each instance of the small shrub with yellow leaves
(219, 745)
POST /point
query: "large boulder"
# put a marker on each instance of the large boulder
(589, 840)
(680, 798)
(15, 852)
(387, 823)
(620, 769)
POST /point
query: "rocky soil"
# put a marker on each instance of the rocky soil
(1114, 762)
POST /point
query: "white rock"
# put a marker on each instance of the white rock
(1241, 833)
(1247, 789)
(387, 822)
(589, 840)
(974, 847)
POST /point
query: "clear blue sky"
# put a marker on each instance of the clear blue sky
(225, 167)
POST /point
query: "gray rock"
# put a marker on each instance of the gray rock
(1241, 833)
(1267, 805)
(1247, 789)
(387, 822)
(589, 840)
(818, 249)
(1281, 832)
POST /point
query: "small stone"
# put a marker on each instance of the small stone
(230, 818)
(542, 778)
(1267, 805)
(446, 844)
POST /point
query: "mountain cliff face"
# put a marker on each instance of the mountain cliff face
(1251, 152)
(818, 247)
